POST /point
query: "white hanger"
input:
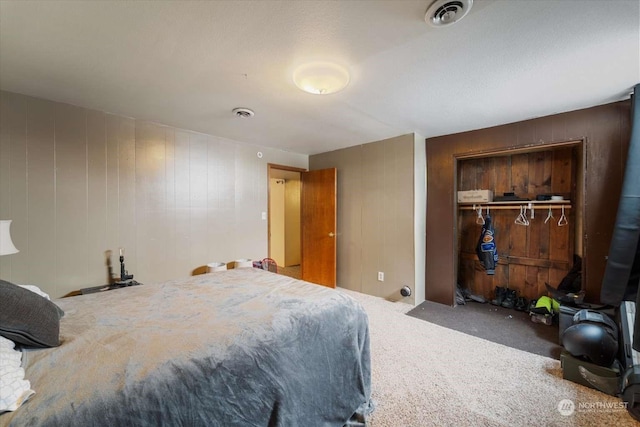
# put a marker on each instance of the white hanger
(549, 215)
(563, 219)
(522, 217)
(479, 219)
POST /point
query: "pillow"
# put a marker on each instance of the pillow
(14, 388)
(36, 289)
(27, 318)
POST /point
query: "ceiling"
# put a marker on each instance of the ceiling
(189, 63)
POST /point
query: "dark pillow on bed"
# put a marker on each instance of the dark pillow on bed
(28, 318)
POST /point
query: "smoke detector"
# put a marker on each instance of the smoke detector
(243, 113)
(443, 13)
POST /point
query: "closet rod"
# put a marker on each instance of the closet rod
(538, 207)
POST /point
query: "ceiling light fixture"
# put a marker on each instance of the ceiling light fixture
(321, 78)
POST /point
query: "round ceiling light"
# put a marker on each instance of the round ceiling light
(321, 78)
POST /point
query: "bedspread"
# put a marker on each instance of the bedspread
(242, 347)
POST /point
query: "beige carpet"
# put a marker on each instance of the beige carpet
(427, 375)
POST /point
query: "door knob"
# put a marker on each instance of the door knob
(331, 234)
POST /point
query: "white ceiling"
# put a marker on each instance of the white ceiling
(189, 63)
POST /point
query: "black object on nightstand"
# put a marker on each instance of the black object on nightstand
(125, 280)
(114, 285)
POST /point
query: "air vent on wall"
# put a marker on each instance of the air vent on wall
(442, 13)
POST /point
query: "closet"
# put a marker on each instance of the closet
(536, 239)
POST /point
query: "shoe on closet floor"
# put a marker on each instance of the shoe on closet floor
(499, 295)
(509, 299)
(521, 304)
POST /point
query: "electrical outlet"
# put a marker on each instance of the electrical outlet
(380, 276)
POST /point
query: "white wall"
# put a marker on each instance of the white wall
(292, 222)
(277, 220)
(77, 182)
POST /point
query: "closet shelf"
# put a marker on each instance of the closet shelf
(536, 204)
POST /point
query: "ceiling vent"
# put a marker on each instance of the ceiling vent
(243, 113)
(442, 13)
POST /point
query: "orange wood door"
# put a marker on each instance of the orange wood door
(318, 210)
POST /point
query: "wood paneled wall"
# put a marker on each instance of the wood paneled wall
(605, 130)
(78, 182)
(532, 255)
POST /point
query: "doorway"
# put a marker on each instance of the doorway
(302, 222)
(284, 218)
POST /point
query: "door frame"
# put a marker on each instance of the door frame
(270, 167)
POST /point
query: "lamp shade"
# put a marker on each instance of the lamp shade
(6, 245)
(321, 78)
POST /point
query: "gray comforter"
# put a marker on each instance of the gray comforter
(237, 348)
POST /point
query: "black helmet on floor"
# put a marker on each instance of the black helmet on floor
(593, 342)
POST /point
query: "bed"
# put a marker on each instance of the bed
(243, 347)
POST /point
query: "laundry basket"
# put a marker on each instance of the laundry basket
(270, 265)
